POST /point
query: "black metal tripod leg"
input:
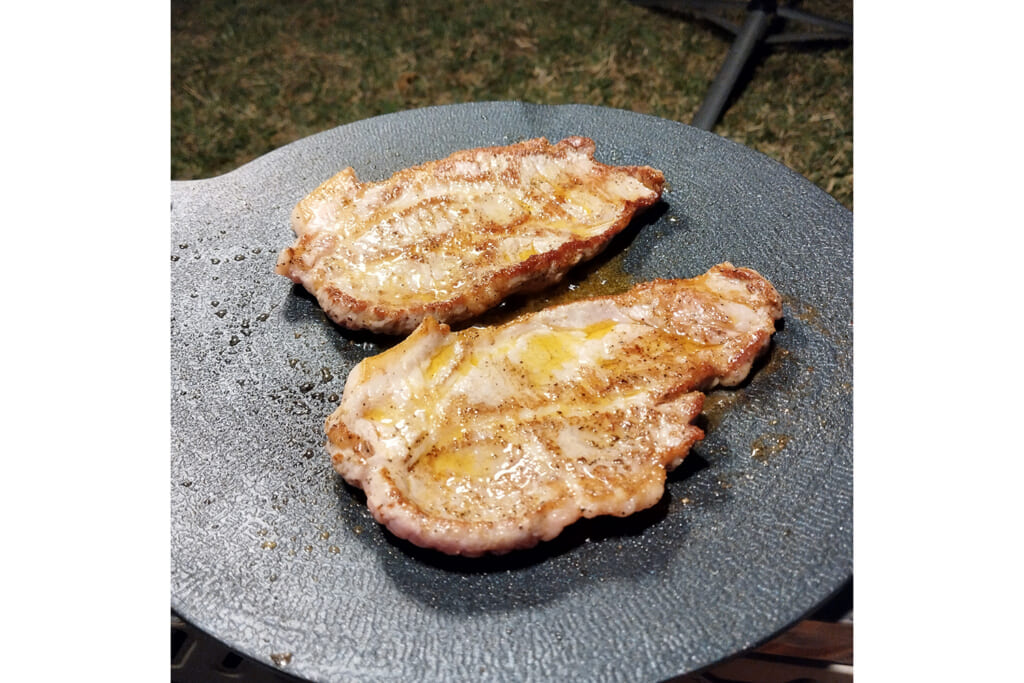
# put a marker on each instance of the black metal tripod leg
(749, 36)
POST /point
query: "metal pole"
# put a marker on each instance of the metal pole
(759, 16)
(832, 25)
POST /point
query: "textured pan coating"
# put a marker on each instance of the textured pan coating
(451, 238)
(492, 439)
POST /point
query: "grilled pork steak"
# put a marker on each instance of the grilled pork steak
(451, 238)
(491, 439)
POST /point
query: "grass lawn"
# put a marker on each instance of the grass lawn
(247, 77)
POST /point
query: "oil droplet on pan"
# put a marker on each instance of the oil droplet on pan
(717, 405)
(767, 445)
(281, 658)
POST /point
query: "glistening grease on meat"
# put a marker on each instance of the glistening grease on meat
(492, 439)
(451, 238)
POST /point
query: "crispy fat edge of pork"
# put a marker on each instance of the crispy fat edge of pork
(533, 274)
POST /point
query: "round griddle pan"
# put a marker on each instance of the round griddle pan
(275, 556)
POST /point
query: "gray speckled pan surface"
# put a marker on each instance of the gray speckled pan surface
(274, 555)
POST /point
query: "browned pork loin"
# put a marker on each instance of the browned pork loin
(451, 238)
(496, 438)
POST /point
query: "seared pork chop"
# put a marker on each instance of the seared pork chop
(491, 439)
(452, 238)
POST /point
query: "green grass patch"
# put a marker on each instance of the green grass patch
(247, 77)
